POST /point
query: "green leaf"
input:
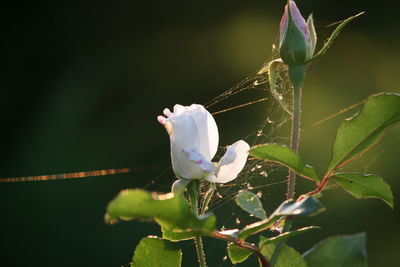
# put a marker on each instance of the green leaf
(309, 205)
(250, 202)
(171, 212)
(333, 36)
(288, 257)
(156, 252)
(177, 236)
(364, 186)
(338, 251)
(286, 235)
(257, 227)
(284, 156)
(358, 134)
(237, 254)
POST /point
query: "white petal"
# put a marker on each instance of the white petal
(190, 164)
(184, 137)
(167, 112)
(162, 120)
(207, 128)
(192, 130)
(178, 109)
(231, 163)
(204, 125)
(195, 156)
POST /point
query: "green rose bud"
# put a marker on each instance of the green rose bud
(297, 37)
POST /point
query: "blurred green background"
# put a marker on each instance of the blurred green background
(83, 82)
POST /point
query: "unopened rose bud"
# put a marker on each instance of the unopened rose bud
(297, 37)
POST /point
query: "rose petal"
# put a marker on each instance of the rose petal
(183, 137)
(167, 112)
(162, 120)
(208, 130)
(298, 19)
(231, 163)
(178, 109)
(195, 156)
(283, 24)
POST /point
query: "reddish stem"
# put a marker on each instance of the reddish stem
(319, 188)
(262, 259)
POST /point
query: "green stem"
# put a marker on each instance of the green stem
(200, 252)
(207, 198)
(280, 244)
(193, 190)
(296, 74)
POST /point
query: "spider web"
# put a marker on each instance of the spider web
(257, 175)
(267, 180)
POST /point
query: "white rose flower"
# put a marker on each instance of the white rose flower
(194, 137)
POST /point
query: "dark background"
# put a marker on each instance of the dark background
(81, 86)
